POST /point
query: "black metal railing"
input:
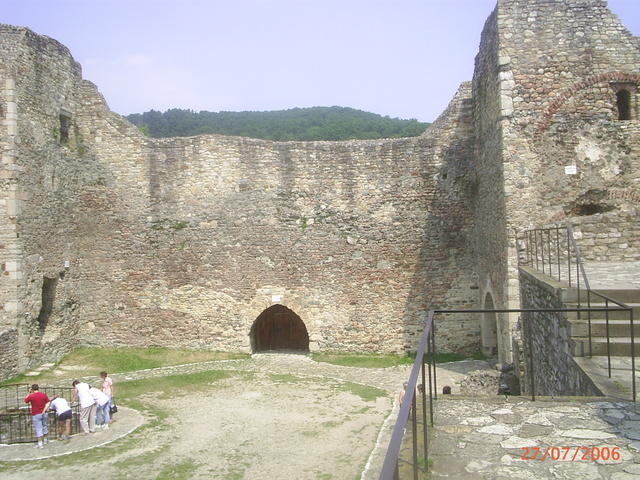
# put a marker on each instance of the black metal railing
(552, 251)
(418, 462)
(15, 415)
(555, 252)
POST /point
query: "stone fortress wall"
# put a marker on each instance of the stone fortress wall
(111, 238)
(547, 79)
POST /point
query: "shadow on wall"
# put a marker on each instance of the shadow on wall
(445, 275)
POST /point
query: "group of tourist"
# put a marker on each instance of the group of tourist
(95, 409)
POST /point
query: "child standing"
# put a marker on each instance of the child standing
(63, 411)
(108, 389)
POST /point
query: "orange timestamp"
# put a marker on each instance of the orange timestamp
(572, 454)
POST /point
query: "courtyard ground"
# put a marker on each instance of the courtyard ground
(269, 417)
(265, 417)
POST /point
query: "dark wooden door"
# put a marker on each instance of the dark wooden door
(278, 328)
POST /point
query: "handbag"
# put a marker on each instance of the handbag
(114, 408)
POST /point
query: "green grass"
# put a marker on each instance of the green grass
(384, 361)
(367, 393)
(446, 357)
(178, 471)
(173, 385)
(362, 361)
(124, 359)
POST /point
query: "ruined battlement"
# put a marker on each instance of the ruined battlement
(111, 238)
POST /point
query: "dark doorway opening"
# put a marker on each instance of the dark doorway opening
(278, 328)
(48, 297)
(623, 100)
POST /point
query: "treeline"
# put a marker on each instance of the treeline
(315, 123)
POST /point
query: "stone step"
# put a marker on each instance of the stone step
(570, 295)
(613, 314)
(617, 328)
(619, 346)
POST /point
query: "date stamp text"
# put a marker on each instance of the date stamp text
(572, 454)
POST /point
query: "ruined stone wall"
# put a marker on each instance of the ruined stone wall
(567, 60)
(358, 238)
(490, 216)
(608, 237)
(52, 175)
(545, 88)
(9, 248)
(545, 343)
(113, 238)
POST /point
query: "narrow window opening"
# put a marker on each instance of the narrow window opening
(65, 126)
(48, 296)
(623, 100)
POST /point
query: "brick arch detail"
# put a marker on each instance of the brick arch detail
(566, 93)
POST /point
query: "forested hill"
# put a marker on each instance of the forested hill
(315, 123)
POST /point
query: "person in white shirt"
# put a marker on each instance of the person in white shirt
(87, 406)
(103, 403)
(63, 411)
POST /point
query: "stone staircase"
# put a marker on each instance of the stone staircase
(619, 327)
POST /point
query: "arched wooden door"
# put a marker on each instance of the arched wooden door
(278, 328)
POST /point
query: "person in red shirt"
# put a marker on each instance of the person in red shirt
(38, 400)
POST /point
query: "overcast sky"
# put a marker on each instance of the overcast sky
(402, 58)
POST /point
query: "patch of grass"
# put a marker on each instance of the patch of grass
(363, 361)
(143, 459)
(330, 424)
(446, 357)
(179, 471)
(383, 361)
(180, 225)
(363, 410)
(171, 385)
(367, 393)
(125, 359)
(21, 379)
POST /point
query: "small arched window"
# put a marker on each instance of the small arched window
(623, 101)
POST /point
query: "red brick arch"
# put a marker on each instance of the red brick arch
(566, 93)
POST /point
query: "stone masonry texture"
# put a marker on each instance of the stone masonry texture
(111, 238)
(550, 368)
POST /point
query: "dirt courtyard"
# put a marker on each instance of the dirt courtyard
(268, 417)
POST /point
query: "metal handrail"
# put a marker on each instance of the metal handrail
(425, 359)
(427, 345)
(572, 248)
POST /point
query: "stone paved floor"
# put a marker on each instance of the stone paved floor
(620, 275)
(620, 384)
(601, 275)
(486, 439)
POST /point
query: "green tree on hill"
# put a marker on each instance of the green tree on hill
(315, 123)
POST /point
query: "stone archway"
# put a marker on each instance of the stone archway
(489, 328)
(279, 328)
